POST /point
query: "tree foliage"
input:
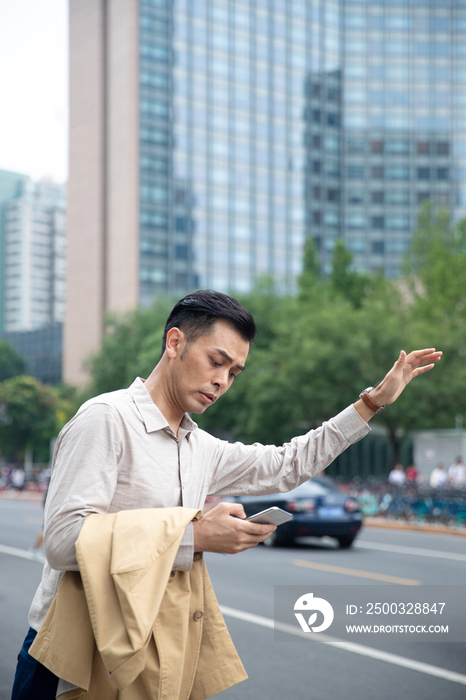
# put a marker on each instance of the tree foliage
(12, 363)
(28, 417)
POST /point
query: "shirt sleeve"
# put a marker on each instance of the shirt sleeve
(84, 479)
(184, 556)
(262, 469)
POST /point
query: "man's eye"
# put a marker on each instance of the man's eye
(216, 364)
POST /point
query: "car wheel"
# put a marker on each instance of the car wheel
(346, 541)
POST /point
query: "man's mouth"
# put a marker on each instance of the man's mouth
(207, 398)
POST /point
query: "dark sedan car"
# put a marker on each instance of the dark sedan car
(318, 507)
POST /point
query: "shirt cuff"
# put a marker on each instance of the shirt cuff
(184, 556)
(351, 424)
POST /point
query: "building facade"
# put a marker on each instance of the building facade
(34, 257)
(209, 138)
(11, 186)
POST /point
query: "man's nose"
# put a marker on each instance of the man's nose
(221, 378)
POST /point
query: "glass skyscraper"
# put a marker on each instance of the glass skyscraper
(216, 135)
(263, 122)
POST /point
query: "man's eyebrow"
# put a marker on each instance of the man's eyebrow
(230, 359)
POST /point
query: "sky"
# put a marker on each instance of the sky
(34, 88)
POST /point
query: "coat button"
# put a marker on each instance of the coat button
(198, 615)
(197, 556)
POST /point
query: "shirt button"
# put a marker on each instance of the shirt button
(198, 615)
(197, 556)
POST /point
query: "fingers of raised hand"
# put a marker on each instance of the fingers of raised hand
(426, 356)
(421, 370)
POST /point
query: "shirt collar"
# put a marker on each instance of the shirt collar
(151, 415)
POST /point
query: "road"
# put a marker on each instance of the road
(244, 584)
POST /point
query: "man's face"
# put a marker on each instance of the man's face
(208, 367)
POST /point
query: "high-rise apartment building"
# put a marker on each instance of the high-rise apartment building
(11, 186)
(34, 257)
(210, 137)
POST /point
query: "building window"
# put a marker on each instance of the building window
(356, 197)
(397, 223)
(377, 172)
(355, 145)
(316, 116)
(378, 247)
(423, 147)
(316, 192)
(316, 141)
(377, 197)
(378, 222)
(356, 221)
(397, 172)
(443, 173)
(316, 167)
(443, 148)
(443, 198)
(333, 195)
(331, 218)
(397, 197)
(422, 196)
(316, 218)
(423, 173)
(397, 147)
(355, 172)
(377, 146)
(333, 119)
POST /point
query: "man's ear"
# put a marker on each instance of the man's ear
(176, 341)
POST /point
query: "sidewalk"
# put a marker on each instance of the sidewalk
(11, 495)
(414, 526)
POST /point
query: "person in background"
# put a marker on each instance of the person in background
(457, 474)
(412, 474)
(397, 475)
(438, 477)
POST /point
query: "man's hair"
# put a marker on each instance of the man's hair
(197, 313)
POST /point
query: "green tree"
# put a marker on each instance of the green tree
(131, 347)
(435, 267)
(27, 415)
(12, 363)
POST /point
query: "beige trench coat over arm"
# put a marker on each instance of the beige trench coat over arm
(128, 628)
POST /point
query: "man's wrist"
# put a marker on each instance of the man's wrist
(376, 395)
(369, 398)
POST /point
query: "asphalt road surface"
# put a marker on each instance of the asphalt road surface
(244, 584)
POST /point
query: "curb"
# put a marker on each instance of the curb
(415, 527)
(21, 496)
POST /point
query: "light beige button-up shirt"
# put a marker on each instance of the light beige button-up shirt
(119, 453)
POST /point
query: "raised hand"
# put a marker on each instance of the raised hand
(403, 371)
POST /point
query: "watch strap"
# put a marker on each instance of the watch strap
(365, 397)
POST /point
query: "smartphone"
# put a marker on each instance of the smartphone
(271, 516)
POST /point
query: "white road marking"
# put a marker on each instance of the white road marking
(347, 646)
(418, 551)
(22, 553)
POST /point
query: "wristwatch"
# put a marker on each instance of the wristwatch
(364, 396)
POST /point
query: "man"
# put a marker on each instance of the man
(438, 477)
(397, 475)
(457, 474)
(138, 448)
